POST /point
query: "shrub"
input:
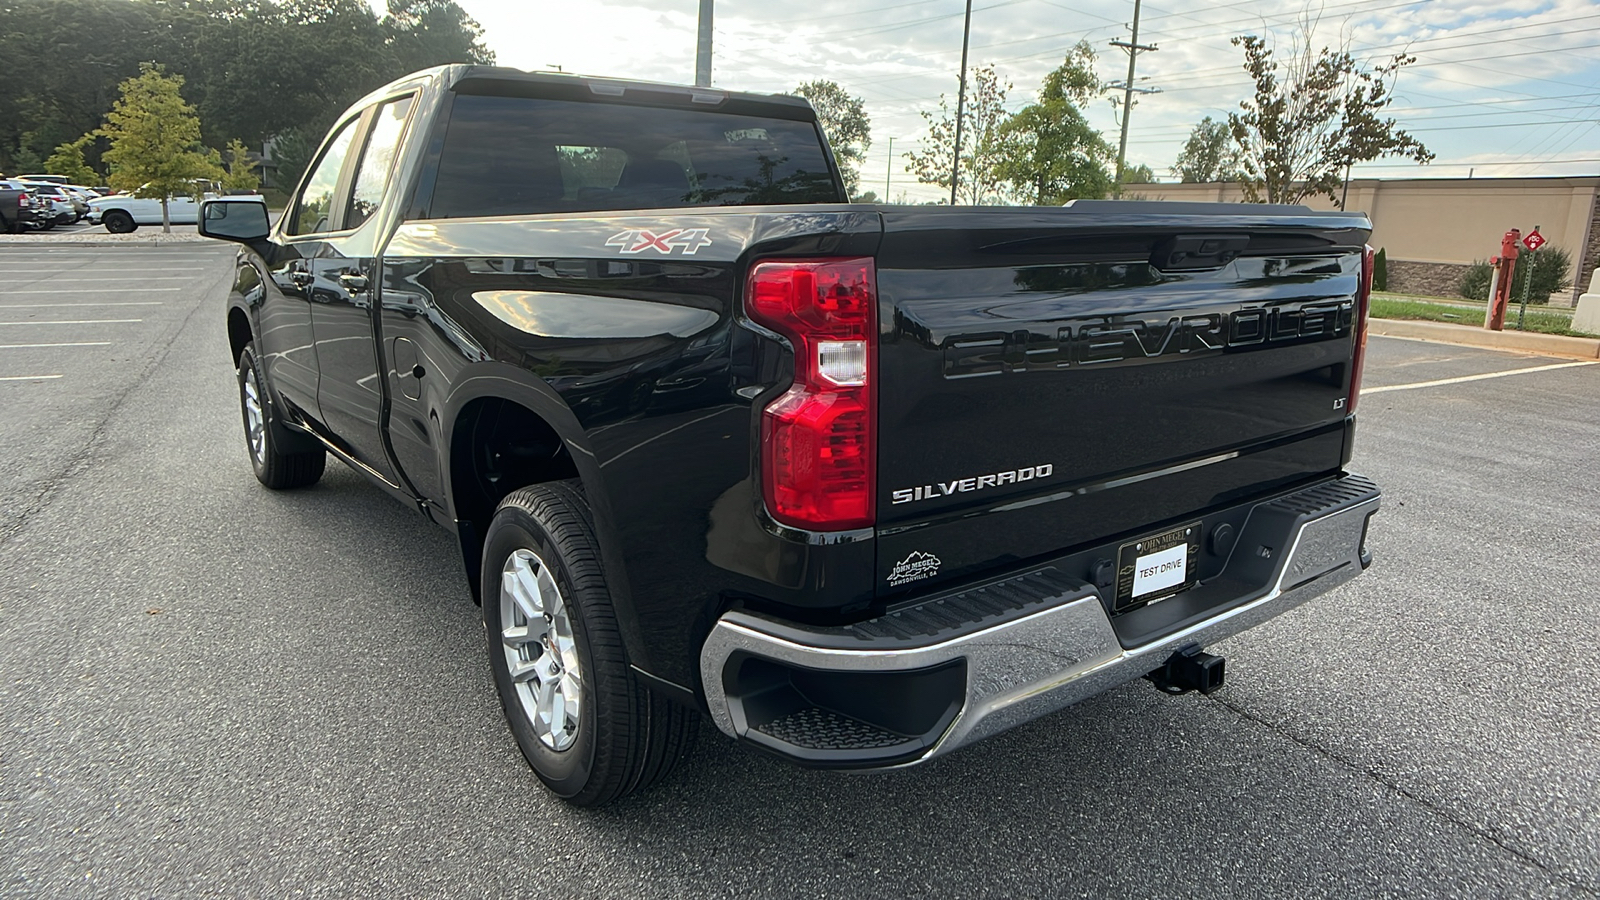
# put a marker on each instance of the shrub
(1380, 271)
(1549, 265)
(1475, 281)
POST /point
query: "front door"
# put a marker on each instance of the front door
(287, 344)
(351, 392)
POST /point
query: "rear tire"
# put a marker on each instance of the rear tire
(118, 222)
(273, 467)
(590, 731)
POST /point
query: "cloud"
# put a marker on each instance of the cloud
(1513, 84)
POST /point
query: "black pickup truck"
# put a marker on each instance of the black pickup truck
(862, 483)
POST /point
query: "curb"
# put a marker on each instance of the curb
(1523, 341)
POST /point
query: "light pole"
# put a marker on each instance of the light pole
(961, 105)
(702, 56)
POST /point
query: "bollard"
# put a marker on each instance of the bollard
(1505, 266)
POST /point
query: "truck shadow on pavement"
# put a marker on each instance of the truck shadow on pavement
(1120, 795)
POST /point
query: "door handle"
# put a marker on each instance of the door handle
(301, 278)
(353, 282)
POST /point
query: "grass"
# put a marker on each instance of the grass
(1538, 320)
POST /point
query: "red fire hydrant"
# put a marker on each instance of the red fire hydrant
(1494, 318)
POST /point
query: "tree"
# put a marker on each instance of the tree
(1139, 174)
(844, 120)
(155, 140)
(1208, 155)
(65, 58)
(425, 33)
(1299, 134)
(1049, 153)
(241, 169)
(68, 161)
(985, 112)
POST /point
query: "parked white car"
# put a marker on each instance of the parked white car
(122, 213)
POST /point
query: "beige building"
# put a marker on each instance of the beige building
(1433, 228)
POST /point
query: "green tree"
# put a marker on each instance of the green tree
(1208, 155)
(155, 140)
(64, 59)
(1049, 153)
(241, 168)
(291, 153)
(68, 161)
(1312, 117)
(844, 120)
(1380, 270)
(425, 33)
(1138, 174)
(981, 150)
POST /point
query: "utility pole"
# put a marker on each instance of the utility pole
(702, 56)
(1128, 90)
(961, 104)
(888, 171)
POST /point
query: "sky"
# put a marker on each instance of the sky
(1510, 88)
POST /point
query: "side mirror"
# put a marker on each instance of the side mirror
(235, 219)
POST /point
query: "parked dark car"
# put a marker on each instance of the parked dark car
(21, 209)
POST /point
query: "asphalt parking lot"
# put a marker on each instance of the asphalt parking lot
(208, 688)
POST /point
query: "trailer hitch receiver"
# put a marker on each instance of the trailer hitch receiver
(1189, 669)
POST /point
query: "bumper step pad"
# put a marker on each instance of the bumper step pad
(824, 729)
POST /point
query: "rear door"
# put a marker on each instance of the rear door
(1054, 378)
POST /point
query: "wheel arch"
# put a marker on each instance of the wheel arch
(501, 409)
(240, 332)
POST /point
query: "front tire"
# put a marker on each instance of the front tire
(587, 728)
(118, 222)
(273, 467)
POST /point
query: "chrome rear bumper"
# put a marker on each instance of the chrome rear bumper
(1051, 644)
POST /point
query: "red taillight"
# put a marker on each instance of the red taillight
(817, 456)
(1358, 358)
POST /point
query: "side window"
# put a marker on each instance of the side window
(313, 212)
(372, 173)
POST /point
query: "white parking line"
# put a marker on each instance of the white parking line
(66, 344)
(26, 377)
(95, 291)
(77, 322)
(1465, 378)
(4, 305)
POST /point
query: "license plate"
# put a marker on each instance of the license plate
(1156, 567)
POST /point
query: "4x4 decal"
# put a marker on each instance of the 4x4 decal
(688, 240)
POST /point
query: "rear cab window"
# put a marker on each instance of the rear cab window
(512, 155)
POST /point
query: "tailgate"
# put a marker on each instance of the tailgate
(1053, 378)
